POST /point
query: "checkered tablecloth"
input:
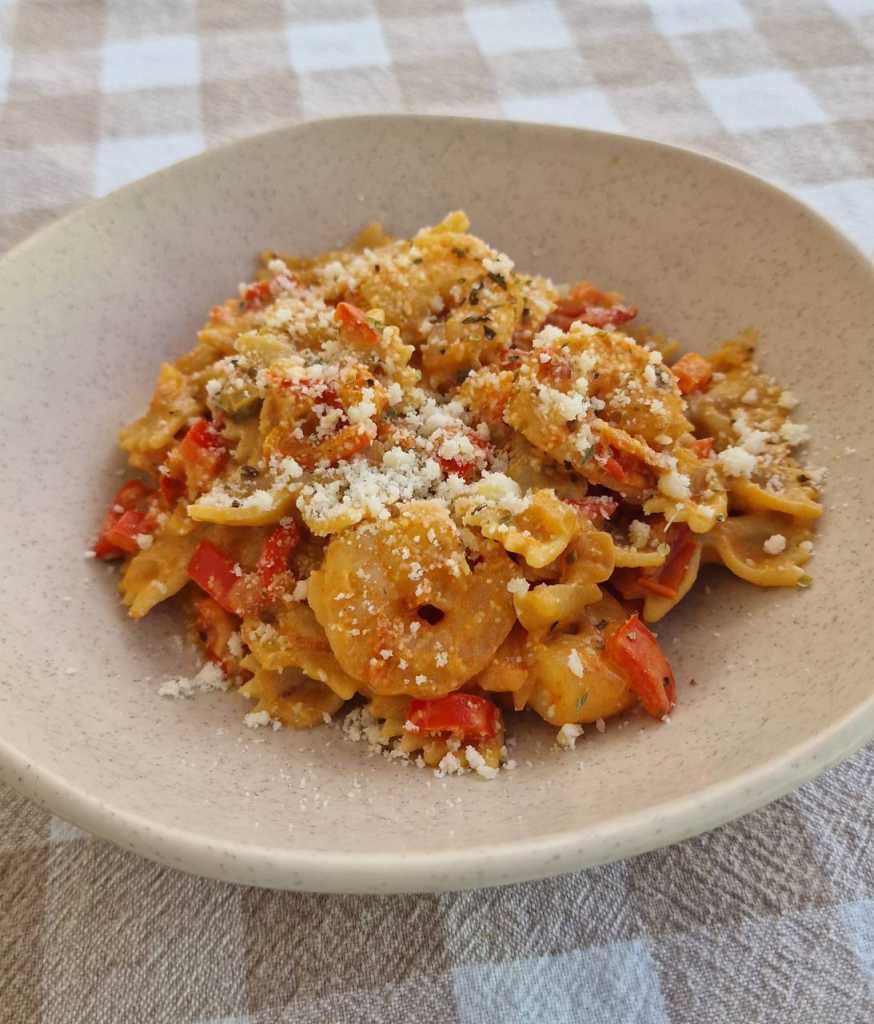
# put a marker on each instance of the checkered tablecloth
(768, 919)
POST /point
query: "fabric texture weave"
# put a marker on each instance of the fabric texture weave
(768, 919)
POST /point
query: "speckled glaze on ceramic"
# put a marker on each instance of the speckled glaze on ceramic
(90, 307)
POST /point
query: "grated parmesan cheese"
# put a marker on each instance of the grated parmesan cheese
(737, 461)
(794, 434)
(639, 533)
(675, 485)
(210, 677)
(575, 664)
(568, 734)
(478, 763)
(775, 544)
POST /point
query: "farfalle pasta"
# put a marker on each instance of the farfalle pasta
(405, 482)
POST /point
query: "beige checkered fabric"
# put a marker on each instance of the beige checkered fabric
(770, 919)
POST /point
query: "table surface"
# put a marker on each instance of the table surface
(767, 919)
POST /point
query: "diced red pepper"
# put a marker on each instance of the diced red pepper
(257, 293)
(635, 652)
(465, 715)
(467, 469)
(589, 304)
(204, 452)
(123, 533)
(703, 447)
(626, 468)
(215, 627)
(613, 467)
(213, 571)
(666, 582)
(693, 372)
(354, 323)
(274, 555)
(171, 489)
(132, 495)
(596, 508)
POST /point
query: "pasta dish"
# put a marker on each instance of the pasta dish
(406, 480)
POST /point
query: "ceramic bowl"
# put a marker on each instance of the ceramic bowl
(92, 304)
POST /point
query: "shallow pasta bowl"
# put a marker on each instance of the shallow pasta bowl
(93, 304)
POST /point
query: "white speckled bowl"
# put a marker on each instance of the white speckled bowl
(92, 304)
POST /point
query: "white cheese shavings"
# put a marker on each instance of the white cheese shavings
(210, 677)
(548, 336)
(144, 541)
(752, 440)
(449, 765)
(737, 461)
(794, 434)
(478, 763)
(639, 533)
(567, 735)
(260, 719)
(499, 264)
(675, 485)
(518, 585)
(575, 664)
(775, 544)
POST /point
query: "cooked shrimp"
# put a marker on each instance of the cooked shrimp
(404, 611)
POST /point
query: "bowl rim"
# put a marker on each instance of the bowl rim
(516, 860)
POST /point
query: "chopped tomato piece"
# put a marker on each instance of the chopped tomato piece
(274, 555)
(596, 508)
(132, 496)
(354, 323)
(257, 293)
(654, 586)
(693, 372)
(635, 652)
(123, 533)
(213, 571)
(613, 467)
(626, 468)
(171, 489)
(467, 469)
(667, 581)
(204, 453)
(703, 447)
(214, 627)
(589, 304)
(463, 714)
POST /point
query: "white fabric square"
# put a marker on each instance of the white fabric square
(601, 985)
(61, 831)
(44, 177)
(849, 205)
(679, 17)
(150, 63)
(330, 45)
(858, 920)
(769, 99)
(126, 159)
(5, 70)
(585, 108)
(511, 28)
(851, 8)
